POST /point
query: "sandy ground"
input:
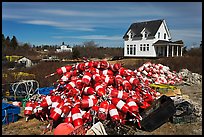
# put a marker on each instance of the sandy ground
(35, 127)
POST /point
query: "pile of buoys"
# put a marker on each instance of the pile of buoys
(158, 74)
(99, 90)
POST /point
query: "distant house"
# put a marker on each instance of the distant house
(150, 39)
(50, 58)
(63, 48)
(25, 61)
(28, 61)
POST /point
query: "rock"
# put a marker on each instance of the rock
(189, 77)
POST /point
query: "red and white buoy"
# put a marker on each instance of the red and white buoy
(119, 94)
(118, 79)
(86, 79)
(127, 85)
(61, 71)
(76, 117)
(113, 112)
(68, 118)
(134, 81)
(121, 105)
(28, 109)
(46, 101)
(70, 85)
(100, 90)
(88, 91)
(115, 67)
(56, 113)
(103, 110)
(87, 103)
(133, 107)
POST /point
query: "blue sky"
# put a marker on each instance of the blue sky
(105, 23)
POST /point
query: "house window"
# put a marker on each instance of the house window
(140, 47)
(158, 35)
(131, 49)
(134, 50)
(127, 49)
(147, 47)
(131, 35)
(144, 47)
(146, 34)
(164, 35)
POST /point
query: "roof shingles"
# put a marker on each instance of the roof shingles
(151, 26)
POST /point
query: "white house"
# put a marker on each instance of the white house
(27, 62)
(64, 47)
(150, 39)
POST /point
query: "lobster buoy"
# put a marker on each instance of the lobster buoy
(121, 105)
(115, 66)
(106, 72)
(104, 64)
(119, 94)
(29, 108)
(87, 103)
(122, 71)
(65, 110)
(77, 101)
(55, 101)
(148, 98)
(46, 101)
(68, 74)
(113, 112)
(37, 110)
(127, 85)
(94, 70)
(70, 85)
(88, 91)
(56, 113)
(63, 79)
(74, 92)
(80, 67)
(79, 84)
(109, 79)
(68, 119)
(89, 97)
(133, 81)
(89, 64)
(86, 79)
(100, 90)
(97, 78)
(76, 117)
(140, 69)
(103, 110)
(61, 71)
(133, 107)
(118, 79)
(87, 117)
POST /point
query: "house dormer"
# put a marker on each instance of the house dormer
(145, 33)
(130, 35)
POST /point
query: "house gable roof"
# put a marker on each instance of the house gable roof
(151, 26)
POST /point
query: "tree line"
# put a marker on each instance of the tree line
(11, 46)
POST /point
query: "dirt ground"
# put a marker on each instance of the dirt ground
(35, 127)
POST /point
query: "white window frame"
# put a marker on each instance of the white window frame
(147, 47)
(128, 51)
(140, 47)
